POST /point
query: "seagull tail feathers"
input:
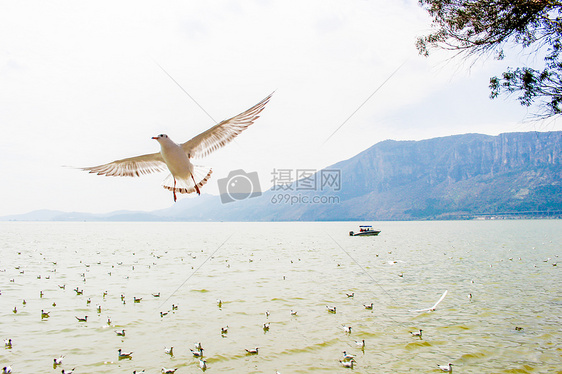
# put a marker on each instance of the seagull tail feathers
(201, 176)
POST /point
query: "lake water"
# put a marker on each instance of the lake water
(252, 268)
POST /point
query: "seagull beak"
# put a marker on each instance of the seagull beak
(155, 137)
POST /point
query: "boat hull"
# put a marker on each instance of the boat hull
(365, 233)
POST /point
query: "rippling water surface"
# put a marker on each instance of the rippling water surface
(252, 268)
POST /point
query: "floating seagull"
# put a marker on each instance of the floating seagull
(44, 314)
(85, 319)
(293, 312)
(347, 329)
(417, 333)
(331, 309)
(198, 353)
(156, 294)
(432, 309)
(68, 372)
(202, 364)
(57, 361)
(15, 310)
(360, 344)
(124, 354)
(347, 364)
(252, 351)
(137, 300)
(198, 346)
(368, 306)
(448, 367)
(266, 326)
(347, 357)
(224, 330)
(7, 370)
(184, 176)
(120, 333)
(8, 343)
(169, 351)
(350, 294)
(169, 371)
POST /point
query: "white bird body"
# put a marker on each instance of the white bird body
(58, 361)
(432, 309)
(347, 356)
(120, 333)
(198, 353)
(68, 372)
(448, 367)
(253, 351)
(184, 176)
(360, 344)
(347, 364)
(417, 333)
(169, 371)
(124, 354)
(202, 364)
(7, 370)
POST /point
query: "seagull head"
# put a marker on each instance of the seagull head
(161, 138)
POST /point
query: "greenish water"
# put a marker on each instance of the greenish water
(252, 268)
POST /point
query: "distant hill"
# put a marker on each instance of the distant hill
(460, 176)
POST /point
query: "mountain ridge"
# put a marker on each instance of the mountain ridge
(452, 177)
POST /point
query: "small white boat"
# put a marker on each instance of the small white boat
(365, 230)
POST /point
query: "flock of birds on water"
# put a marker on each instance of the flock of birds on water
(347, 360)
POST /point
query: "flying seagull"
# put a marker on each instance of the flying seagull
(184, 176)
(432, 309)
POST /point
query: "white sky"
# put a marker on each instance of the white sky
(79, 86)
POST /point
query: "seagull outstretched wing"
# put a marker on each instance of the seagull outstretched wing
(131, 167)
(434, 305)
(223, 132)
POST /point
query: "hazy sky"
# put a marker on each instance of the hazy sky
(81, 86)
